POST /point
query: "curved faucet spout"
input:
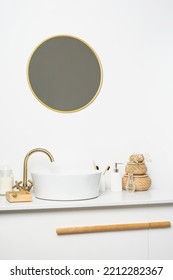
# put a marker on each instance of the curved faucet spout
(25, 164)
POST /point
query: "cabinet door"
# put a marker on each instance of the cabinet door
(161, 240)
(33, 235)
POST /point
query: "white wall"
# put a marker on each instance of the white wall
(134, 110)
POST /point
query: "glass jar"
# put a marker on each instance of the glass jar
(130, 185)
(6, 179)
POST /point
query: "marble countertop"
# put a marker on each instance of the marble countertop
(105, 199)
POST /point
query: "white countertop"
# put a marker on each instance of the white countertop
(105, 199)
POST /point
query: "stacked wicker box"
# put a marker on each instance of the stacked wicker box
(138, 168)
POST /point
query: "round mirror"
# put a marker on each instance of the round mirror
(64, 73)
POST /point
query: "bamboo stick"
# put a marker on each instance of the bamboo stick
(116, 227)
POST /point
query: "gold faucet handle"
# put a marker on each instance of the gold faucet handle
(19, 186)
(29, 186)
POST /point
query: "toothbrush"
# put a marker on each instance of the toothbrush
(95, 166)
(106, 169)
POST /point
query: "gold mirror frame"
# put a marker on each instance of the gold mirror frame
(99, 65)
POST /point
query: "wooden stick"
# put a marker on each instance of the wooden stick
(118, 227)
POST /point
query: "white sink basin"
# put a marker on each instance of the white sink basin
(71, 185)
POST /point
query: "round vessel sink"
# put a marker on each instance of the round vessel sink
(67, 185)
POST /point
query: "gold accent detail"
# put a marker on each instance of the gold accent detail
(14, 194)
(101, 74)
(19, 186)
(27, 184)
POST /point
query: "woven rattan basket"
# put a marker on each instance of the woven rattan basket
(142, 182)
(136, 168)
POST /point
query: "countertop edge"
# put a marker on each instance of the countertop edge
(105, 200)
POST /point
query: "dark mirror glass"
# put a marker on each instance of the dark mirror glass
(65, 73)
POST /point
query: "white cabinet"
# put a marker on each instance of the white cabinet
(32, 235)
(28, 231)
(161, 240)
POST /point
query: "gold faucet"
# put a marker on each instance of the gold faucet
(25, 185)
